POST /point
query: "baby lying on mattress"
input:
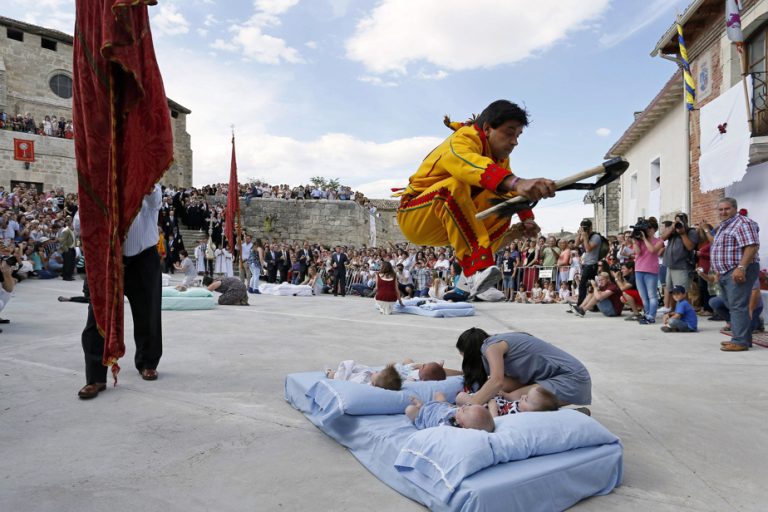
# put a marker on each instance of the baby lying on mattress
(537, 399)
(391, 377)
(438, 412)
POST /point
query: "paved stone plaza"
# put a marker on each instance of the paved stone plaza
(214, 432)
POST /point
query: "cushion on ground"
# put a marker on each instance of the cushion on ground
(332, 398)
(192, 299)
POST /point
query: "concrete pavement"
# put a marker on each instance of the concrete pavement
(214, 432)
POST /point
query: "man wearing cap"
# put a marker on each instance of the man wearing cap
(734, 257)
(684, 318)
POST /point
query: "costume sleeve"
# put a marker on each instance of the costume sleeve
(464, 160)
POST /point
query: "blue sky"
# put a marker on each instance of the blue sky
(356, 89)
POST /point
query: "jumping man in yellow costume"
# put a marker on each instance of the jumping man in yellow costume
(462, 176)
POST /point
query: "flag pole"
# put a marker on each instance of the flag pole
(734, 33)
(744, 74)
(239, 243)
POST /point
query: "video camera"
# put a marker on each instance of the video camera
(638, 230)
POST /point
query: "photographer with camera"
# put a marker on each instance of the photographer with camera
(679, 259)
(590, 242)
(647, 249)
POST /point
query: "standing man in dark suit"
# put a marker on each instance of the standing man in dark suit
(284, 263)
(271, 258)
(304, 256)
(339, 265)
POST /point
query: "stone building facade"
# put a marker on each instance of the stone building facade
(714, 57)
(36, 78)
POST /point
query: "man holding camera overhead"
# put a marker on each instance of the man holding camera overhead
(681, 241)
(590, 241)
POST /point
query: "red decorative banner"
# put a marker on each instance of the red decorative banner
(24, 150)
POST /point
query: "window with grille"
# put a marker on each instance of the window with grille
(61, 85)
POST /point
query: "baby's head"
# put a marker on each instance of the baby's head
(388, 378)
(538, 399)
(475, 416)
(432, 371)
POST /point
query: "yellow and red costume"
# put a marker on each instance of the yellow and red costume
(455, 181)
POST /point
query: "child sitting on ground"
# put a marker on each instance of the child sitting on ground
(388, 378)
(683, 319)
(565, 292)
(439, 412)
(521, 297)
(537, 293)
(537, 399)
(550, 294)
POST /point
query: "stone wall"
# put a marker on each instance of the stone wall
(54, 164)
(324, 222)
(26, 68)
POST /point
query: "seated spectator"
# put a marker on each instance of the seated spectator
(537, 293)
(625, 280)
(404, 281)
(438, 287)
(565, 293)
(521, 297)
(550, 294)
(605, 295)
(455, 293)
(684, 318)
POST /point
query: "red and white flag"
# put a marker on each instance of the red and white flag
(733, 21)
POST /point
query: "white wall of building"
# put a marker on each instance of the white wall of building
(663, 152)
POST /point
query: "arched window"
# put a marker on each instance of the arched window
(61, 85)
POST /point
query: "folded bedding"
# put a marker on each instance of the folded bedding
(434, 308)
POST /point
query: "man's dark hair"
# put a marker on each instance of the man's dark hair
(629, 264)
(501, 111)
(207, 280)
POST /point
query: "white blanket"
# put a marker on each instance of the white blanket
(724, 156)
(286, 289)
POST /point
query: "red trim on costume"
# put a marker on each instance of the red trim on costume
(492, 177)
(453, 208)
(480, 259)
(483, 138)
(525, 215)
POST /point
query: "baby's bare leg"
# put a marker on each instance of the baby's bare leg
(412, 411)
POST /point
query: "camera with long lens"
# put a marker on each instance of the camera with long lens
(679, 225)
(638, 230)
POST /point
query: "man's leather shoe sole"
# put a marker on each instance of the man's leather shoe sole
(91, 390)
(148, 374)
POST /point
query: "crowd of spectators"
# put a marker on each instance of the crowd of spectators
(51, 126)
(259, 189)
(638, 270)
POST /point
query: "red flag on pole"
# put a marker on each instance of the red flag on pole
(233, 199)
(124, 144)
